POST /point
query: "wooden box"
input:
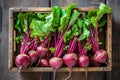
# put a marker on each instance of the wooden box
(12, 45)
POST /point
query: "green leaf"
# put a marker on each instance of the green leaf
(64, 21)
(21, 23)
(94, 21)
(56, 11)
(74, 17)
(100, 43)
(89, 47)
(102, 22)
(96, 15)
(18, 38)
(17, 26)
(75, 30)
(85, 34)
(80, 23)
(69, 11)
(100, 30)
(52, 49)
(66, 47)
(87, 21)
(53, 20)
(43, 28)
(37, 29)
(68, 35)
(40, 15)
(63, 12)
(92, 13)
(103, 9)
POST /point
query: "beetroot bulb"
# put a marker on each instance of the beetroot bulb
(32, 53)
(55, 63)
(84, 61)
(33, 56)
(22, 61)
(44, 62)
(100, 54)
(42, 51)
(83, 58)
(70, 59)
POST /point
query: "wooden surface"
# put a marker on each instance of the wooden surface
(6, 75)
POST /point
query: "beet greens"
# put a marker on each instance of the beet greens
(95, 19)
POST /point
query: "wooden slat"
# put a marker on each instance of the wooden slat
(80, 3)
(0, 18)
(49, 69)
(4, 72)
(114, 4)
(0, 35)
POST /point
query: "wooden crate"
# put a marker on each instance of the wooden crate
(12, 45)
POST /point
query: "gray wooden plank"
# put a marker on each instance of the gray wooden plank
(0, 17)
(114, 4)
(80, 3)
(79, 75)
(4, 73)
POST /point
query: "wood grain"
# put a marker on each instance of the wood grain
(80, 3)
(114, 75)
(4, 72)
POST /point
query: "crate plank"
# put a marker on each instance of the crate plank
(114, 74)
(4, 72)
(80, 3)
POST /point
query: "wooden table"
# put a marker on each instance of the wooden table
(4, 8)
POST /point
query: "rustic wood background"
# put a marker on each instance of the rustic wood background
(4, 8)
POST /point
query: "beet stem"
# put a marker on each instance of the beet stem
(26, 47)
(38, 62)
(31, 64)
(27, 29)
(19, 69)
(54, 74)
(41, 75)
(61, 51)
(70, 73)
(46, 40)
(86, 73)
(106, 63)
(80, 47)
(55, 39)
(58, 47)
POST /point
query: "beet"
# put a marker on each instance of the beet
(42, 51)
(33, 56)
(22, 61)
(101, 56)
(70, 60)
(44, 63)
(84, 61)
(55, 63)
